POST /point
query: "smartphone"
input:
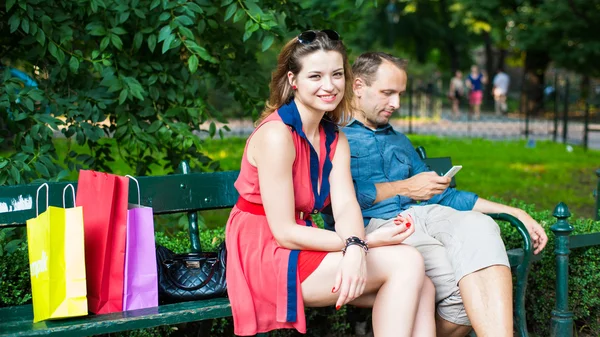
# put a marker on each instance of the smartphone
(453, 171)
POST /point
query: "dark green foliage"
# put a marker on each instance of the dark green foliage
(584, 277)
(15, 285)
(584, 295)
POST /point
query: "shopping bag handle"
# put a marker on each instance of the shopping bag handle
(64, 191)
(138, 188)
(37, 197)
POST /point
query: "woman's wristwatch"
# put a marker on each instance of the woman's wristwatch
(355, 241)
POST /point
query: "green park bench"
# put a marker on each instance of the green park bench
(178, 193)
(520, 258)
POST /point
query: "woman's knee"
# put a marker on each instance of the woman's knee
(402, 258)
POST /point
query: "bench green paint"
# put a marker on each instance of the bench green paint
(520, 259)
(178, 193)
(562, 316)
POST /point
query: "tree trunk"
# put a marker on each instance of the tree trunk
(532, 93)
(489, 69)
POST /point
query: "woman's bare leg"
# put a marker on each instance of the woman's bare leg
(425, 320)
(395, 277)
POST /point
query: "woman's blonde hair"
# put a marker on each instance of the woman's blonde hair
(290, 59)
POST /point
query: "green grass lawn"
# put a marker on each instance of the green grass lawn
(543, 175)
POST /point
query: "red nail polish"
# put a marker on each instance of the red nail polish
(337, 307)
(408, 225)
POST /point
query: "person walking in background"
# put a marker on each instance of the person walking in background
(500, 82)
(456, 92)
(475, 82)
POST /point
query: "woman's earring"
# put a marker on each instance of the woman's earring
(294, 87)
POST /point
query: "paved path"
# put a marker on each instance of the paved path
(488, 127)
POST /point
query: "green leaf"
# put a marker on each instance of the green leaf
(118, 31)
(239, 15)
(185, 20)
(164, 16)
(225, 2)
(122, 96)
(230, 11)
(247, 35)
(267, 42)
(167, 43)
(14, 173)
(152, 42)
(164, 33)
(74, 64)
(137, 40)
(194, 8)
(193, 64)
(212, 129)
(41, 168)
(14, 22)
(186, 32)
(96, 29)
(116, 41)
(10, 4)
(25, 25)
(154, 4)
(358, 3)
(41, 37)
(52, 49)
(154, 126)
(104, 43)
(123, 17)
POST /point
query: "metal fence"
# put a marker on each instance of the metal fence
(564, 113)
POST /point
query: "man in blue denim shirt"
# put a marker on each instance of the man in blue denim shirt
(463, 252)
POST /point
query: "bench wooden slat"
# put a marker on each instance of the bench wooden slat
(584, 240)
(17, 321)
(165, 194)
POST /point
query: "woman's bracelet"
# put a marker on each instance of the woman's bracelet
(355, 241)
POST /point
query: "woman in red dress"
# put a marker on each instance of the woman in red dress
(295, 163)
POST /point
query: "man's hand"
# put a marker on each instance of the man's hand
(425, 185)
(536, 231)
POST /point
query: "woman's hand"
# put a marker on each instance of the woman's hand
(387, 236)
(351, 277)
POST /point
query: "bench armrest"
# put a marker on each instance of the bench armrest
(522, 271)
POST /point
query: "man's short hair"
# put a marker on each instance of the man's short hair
(365, 66)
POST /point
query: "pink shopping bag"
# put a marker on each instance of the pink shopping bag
(140, 284)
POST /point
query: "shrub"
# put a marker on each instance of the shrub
(584, 295)
(584, 276)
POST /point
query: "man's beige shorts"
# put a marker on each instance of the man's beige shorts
(453, 244)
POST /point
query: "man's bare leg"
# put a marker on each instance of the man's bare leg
(449, 329)
(487, 296)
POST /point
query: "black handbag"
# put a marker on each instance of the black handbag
(190, 276)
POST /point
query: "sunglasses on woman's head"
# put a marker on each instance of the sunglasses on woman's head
(310, 36)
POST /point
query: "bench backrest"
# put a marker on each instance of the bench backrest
(440, 165)
(174, 193)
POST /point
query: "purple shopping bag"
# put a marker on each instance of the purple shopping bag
(140, 283)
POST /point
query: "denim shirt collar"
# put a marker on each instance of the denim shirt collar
(381, 129)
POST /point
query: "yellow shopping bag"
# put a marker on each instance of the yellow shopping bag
(57, 261)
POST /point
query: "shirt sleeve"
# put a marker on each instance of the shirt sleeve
(457, 199)
(366, 192)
